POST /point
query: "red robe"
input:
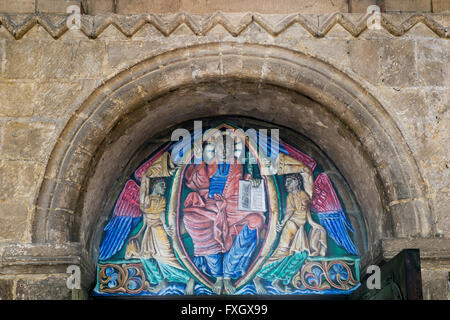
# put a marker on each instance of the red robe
(214, 223)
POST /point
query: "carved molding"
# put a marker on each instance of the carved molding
(317, 25)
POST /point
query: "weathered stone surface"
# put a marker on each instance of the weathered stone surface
(56, 6)
(427, 112)
(139, 6)
(360, 6)
(321, 48)
(62, 229)
(441, 6)
(88, 60)
(14, 220)
(365, 60)
(28, 140)
(6, 289)
(18, 179)
(16, 99)
(43, 287)
(18, 64)
(440, 204)
(407, 5)
(49, 59)
(432, 62)
(134, 51)
(57, 99)
(41, 251)
(431, 248)
(18, 6)
(99, 6)
(397, 63)
(435, 284)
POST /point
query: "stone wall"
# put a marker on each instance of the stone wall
(71, 100)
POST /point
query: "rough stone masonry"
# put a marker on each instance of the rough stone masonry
(76, 103)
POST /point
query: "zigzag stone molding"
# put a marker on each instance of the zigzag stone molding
(93, 26)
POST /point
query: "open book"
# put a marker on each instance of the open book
(251, 198)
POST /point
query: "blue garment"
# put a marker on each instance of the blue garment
(219, 179)
(211, 265)
(234, 263)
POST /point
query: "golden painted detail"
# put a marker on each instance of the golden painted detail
(322, 275)
(93, 26)
(163, 166)
(152, 241)
(125, 278)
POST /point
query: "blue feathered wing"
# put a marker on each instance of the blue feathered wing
(328, 208)
(125, 216)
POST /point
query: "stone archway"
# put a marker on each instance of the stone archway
(324, 105)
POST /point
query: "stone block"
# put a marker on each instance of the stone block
(77, 168)
(441, 6)
(66, 196)
(135, 51)
(90, 138)
(55, 59)
(143, 6)
(61, 228)
(57, 6)
(99, 6)
(88, 60)
(6, 289)
(406, 218)
(432, 62)
(16, 99)
(17, 6)
(43, 287)
(406, 5)
(57, 99)
(397, 63)
(19, 63)
(441, 203)
(360, 6)
(14, 222)
(18, 179)
(364, 59)
(41, 251)
(28, 140)
(39, 59)
(435, 284)
(320, 48)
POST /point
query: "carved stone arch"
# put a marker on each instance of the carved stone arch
(302, 93)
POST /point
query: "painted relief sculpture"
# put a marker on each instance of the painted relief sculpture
(211, 226)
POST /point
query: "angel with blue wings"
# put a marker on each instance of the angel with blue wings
(151, 244)
(295, 245)
(324, 201)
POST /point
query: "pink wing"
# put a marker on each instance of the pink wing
(300, 156)
(128, 203)
(324, 197)
(328, 208)
(122, 221)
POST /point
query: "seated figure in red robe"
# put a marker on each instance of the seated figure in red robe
(224, 237)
